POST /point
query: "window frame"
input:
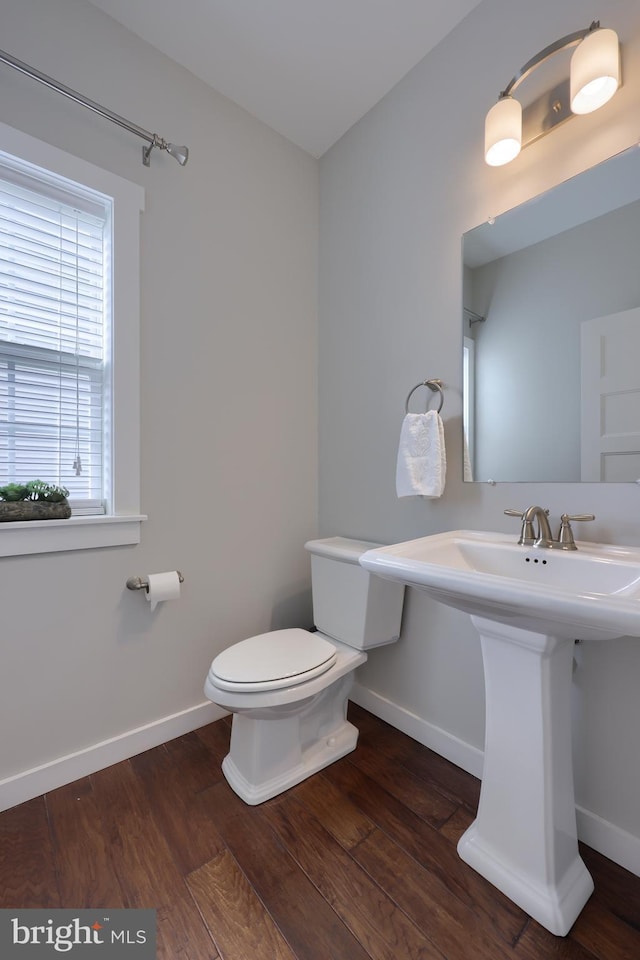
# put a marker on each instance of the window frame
(121, 522)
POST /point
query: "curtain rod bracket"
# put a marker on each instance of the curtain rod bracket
(156, 141)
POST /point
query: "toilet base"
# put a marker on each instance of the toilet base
(276, 747)
(314, 758)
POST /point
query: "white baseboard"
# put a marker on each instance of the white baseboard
(611, 841)
(446, 744)
(32, 783)
(605, 837)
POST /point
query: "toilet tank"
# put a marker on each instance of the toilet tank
(349, 603)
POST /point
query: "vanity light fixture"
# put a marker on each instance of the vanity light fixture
(594, 78)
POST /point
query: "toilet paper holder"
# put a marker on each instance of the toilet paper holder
(141, 583)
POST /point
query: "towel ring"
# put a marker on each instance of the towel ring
(434, 385)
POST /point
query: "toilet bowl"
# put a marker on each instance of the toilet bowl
(288, 689)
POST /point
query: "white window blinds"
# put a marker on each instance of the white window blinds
(54, 333)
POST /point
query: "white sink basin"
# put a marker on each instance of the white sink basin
(592, 593)
(528, 605)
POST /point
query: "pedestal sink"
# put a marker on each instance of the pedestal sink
(528, 605)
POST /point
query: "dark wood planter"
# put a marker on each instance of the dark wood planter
(33, 510)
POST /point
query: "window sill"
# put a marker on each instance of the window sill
(76, 533)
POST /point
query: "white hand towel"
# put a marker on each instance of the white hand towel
(422, 461)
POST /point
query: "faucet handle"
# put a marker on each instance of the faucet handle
(527, 536)
(565, 535)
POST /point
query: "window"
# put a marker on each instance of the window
(55, 324)
(69, 304)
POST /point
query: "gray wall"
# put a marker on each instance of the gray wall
(396, 194)
(228, 394)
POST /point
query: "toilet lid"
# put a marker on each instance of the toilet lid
(273, 660)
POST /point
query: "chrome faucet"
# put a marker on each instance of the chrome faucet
(542, 537)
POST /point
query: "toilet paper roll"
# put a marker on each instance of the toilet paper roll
(163, 586)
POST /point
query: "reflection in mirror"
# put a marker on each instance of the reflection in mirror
(551, 292)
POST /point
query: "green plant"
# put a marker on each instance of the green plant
(14, 491)
(34, 490)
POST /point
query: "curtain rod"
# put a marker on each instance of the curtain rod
(474, 317)
(181, 154)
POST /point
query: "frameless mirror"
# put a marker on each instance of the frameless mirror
(551, 292)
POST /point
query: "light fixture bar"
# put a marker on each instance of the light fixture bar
(181, 154)
(569, 41)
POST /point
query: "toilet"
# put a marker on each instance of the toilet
(288, 689)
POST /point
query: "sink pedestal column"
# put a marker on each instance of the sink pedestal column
(524, 838)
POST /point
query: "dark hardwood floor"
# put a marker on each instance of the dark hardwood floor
(358, 862)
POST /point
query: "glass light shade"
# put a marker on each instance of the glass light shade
(503, 132)
(595, 71)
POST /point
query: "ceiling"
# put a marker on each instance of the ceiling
(307, 68)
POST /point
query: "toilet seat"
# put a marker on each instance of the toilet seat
(273, 661)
